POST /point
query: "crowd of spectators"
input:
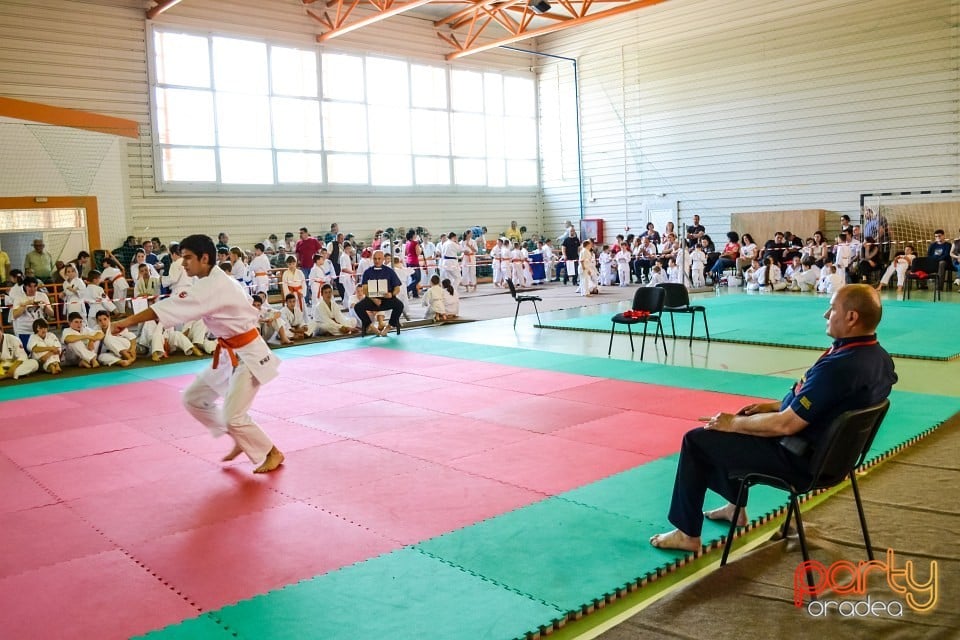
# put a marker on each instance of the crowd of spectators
(337, 284)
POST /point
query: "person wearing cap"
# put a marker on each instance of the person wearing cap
(39, 262)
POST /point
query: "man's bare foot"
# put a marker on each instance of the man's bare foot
(274, 460)
(675, 539)
(725, 513)
(233, 453)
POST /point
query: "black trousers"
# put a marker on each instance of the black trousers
(367, 305)
(707, 460)
(414, 281)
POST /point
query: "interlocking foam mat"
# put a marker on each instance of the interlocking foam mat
(910, 329)
(430, 490)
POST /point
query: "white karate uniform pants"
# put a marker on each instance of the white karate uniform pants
(238, 392)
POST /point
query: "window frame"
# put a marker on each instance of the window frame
(217, 186)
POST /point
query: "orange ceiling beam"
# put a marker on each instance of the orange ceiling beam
(62, 117)
(340, 28)
(542, 31)
(153, 12)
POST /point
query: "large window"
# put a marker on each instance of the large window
(232, 111)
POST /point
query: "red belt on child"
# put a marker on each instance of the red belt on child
(236, 342)
(298, 291)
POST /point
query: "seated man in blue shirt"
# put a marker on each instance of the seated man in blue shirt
(856, 372)
(382, 287)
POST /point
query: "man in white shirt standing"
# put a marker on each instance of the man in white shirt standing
(242, 362)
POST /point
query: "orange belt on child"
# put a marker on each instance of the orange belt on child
(260, 274)
(236, 342)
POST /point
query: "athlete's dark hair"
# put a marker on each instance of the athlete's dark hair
(200, 245)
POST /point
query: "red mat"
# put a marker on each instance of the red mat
(648, 434)
(88, 476)
(658, 399)
(73, 443)
(103, 596)
(20, 491)
(537, 382)
(67, 537)
(445, 439)
(177, 503)
(122, 505)
(339, 466)
(221, 563)
(541, 413)
(424, 504)
(549, 464)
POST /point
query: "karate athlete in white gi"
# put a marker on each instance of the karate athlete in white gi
(241, 363)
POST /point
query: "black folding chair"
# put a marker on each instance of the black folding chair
(923, 270)
(677, 300)
(649, 299)
(844, 449)
(521, 299)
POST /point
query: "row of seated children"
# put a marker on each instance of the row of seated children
(800, 275)
(79, 345)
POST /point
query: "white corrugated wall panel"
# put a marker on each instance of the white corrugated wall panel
(92, 55)
(748, 105)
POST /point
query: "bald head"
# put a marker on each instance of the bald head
(865, 302)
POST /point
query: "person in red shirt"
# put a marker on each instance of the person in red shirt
(307, 247)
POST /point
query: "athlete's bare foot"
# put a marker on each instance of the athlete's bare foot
(274, 460)
(84, 364)
(197, 351)
(675, 539)
(94, 363)
(55, 369)
(725, 513)
(233, 453)
(156, 356)
(880, 287)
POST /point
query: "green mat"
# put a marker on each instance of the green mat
(910, 329)
(522, 570)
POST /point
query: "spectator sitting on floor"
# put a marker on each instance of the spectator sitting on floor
(44, 347)
(329, 318)
(451, 300)
(14, 361)
(295, 318)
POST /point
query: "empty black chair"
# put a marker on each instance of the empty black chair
(924, 270)
(845, 446)
(677, 300)
(521, 299)
(650, 301)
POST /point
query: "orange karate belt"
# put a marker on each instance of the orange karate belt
(236, 342)
(297, 291)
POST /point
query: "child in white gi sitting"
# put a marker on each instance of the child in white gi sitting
(80, 344)
(451, 300)
(14, 361)
(433, 301)
(44, 347)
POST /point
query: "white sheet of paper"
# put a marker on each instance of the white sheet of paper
(139, 304)
(377, 288)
